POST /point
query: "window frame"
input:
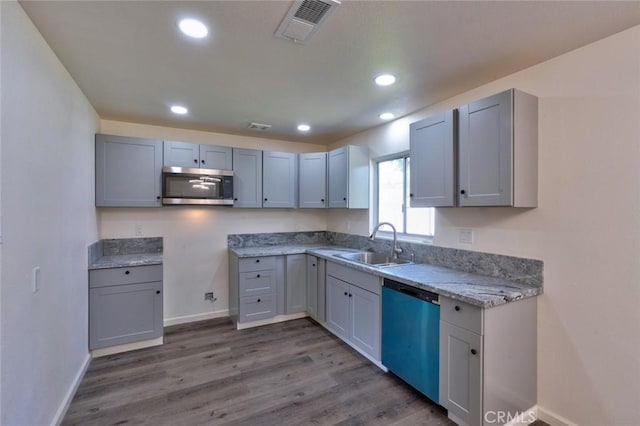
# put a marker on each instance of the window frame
(384, 232)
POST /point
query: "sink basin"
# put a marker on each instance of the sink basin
(378, 260)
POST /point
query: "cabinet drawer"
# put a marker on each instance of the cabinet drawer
(259, 282)
(129, 275)
(361, 279)
(461, 314)
(249, 264)
(253, 308)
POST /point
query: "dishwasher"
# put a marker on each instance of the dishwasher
(410, 335)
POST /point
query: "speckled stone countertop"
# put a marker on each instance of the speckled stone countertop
(477, 290)
(125, 252)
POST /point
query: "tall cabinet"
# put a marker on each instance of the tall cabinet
(432, 143)
(349, 177)
(498, 151)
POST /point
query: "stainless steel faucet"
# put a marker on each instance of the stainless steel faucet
(396, 250)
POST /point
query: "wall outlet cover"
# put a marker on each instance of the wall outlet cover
(466, 236)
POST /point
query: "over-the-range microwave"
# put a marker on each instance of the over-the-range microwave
(191, 186)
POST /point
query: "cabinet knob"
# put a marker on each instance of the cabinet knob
(202, 161)
(473, 352)
(410, 195)
(313, 264)
(257, 260)
(462, 191)
(158, 197)
(127, 272)
(457, 308)
(350, 294)
(322, 200)
(266, 199)
(258, 276)
(235, 199)
(157, 291)
(344, 199)
(195, 160)
(258, 300)
(345, 293)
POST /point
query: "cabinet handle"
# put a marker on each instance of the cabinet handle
(473, 352)
(258, 276)
(195, 160)
(157, 291)
(127, 272)
(258, 300)
(462, 191)
(457, 308)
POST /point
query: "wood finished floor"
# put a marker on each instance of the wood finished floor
(292, 373)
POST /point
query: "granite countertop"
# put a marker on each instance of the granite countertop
(125, 260)
(474, 289)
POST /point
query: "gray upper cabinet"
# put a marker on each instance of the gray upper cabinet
(432, 142)
(349, 177)
(185, 154)
(498, 151)
(279, 179)
(296, 283)
(128, 172)
(247, 178)
(312, 181)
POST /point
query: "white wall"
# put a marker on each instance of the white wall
(48, 220)
(195, 238)
(586, 228)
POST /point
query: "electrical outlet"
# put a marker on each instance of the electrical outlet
(209, 296)
(138, 230)
(466, 236)
(36, 279)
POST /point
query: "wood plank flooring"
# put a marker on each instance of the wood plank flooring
(292, 373)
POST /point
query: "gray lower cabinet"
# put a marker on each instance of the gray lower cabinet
(487, 360)
(353, 307)
(312, 180)
(247, 178)
(128, 172)
(185, 154)
(279, 179)
(498, 151)
(296, 283)
(125, 305)
(257, 288)
(432, 143)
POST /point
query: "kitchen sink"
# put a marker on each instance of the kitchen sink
(379, 260)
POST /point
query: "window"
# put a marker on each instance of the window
(393, 199)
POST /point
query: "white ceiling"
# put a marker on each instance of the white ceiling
(131, 62)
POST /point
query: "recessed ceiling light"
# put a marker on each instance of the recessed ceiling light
(193, 28)
(387, 115)
(304, 127)
(385, 79)
(179, 109)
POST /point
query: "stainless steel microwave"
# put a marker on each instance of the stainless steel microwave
(191, 186)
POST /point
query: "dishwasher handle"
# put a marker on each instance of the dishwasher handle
(411, 291)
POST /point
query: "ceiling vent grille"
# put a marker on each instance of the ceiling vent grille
(304, 18)
(259, 126)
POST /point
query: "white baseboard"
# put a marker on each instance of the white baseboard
(68, 397)
(197, 317)
(272, 320)
(553, 419)
(525, 417)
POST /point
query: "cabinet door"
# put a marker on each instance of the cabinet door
(461, 372)
(312, 286)
(365, 320)
(128, 172)
(216, 157)
(432, 161)
(247, 178)
(296, 283)
(279, 179)
(181, 154)
(313, 180)
(485, 151)
(338, 177)
(338, 306)
(124, 314)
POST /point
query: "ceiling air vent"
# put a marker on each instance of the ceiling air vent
(304, 18)
(260, 127)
